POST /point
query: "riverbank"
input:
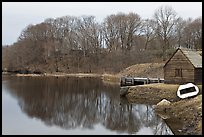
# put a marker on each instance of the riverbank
(74, 74)
(106, 78)
(152, 93)
(185, 116)
(56, 75)
(111, 79)
(153, 70)
(188, 111)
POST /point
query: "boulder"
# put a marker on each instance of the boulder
(162, 105)
(162, 108)
(163, 102)
(123, 91)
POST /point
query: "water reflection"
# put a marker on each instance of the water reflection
(82, 103)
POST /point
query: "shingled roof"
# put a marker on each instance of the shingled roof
(193, 56)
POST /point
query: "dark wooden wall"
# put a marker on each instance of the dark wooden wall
(198, 75)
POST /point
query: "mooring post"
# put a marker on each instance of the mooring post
(145, 82)
(122, 81)
(148, 81)
(133, 81)
(159, 80)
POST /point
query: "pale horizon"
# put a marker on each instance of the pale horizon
(17, 15)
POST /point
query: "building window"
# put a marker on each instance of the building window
(178, 72)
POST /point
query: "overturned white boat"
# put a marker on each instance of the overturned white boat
(187, 90)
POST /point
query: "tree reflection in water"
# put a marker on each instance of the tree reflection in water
(70, 103)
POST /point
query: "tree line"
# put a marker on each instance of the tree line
(81, 44)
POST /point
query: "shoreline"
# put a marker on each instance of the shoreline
(188, 111)
(55, 75)
(106, 78)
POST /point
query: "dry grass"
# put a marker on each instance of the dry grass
(62, 75)
(28, 75)
(153, 70)
(153, 93)
(162, 86)
(190, 111)
(111, 78)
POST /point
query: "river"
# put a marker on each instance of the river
(70, 105)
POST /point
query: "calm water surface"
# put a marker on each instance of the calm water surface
(68, 105)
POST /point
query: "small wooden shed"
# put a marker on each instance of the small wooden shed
(184, 66)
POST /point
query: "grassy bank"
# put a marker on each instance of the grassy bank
(152, 70)
(152, 93)
(60, 75)
(110, 78)
(188, 111)
(75, 74)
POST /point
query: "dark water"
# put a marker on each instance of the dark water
(39, 105)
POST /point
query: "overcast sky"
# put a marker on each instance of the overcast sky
(17, 15)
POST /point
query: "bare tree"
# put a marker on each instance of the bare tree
(165, 18)
(111, 33)
(5, 58)
(120, 29)
(133, 28)
(149, 31)
(193, 34)
(180, 26)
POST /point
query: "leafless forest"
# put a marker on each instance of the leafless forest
(81, 44)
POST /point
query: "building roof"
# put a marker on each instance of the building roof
(193, 56)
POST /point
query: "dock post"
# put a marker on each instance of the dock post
(122, 81)
(133, 81)
(145, 82)
(148, 81)
(159, 80)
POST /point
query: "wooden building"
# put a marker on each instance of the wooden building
(184, 66)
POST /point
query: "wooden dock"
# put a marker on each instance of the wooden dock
(131, 81)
